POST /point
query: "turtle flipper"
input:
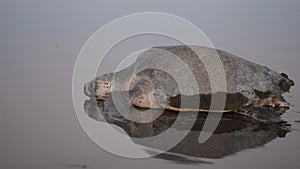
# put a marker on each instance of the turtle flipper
(258, 113)
(261, 113)
(272, 101)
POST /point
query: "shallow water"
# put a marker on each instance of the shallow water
(39, 45)
(234, 133)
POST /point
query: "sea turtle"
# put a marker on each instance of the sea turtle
(248, 84)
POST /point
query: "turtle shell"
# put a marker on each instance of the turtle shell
(244, 79)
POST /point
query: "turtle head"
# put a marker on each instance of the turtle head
(100, 87)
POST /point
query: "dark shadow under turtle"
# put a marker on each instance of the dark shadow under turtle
(235, 132)
(249, 87)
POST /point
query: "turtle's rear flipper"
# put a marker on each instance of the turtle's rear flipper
(272, 101)
(261, 114)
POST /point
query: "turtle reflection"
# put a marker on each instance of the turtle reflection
(234, 133)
